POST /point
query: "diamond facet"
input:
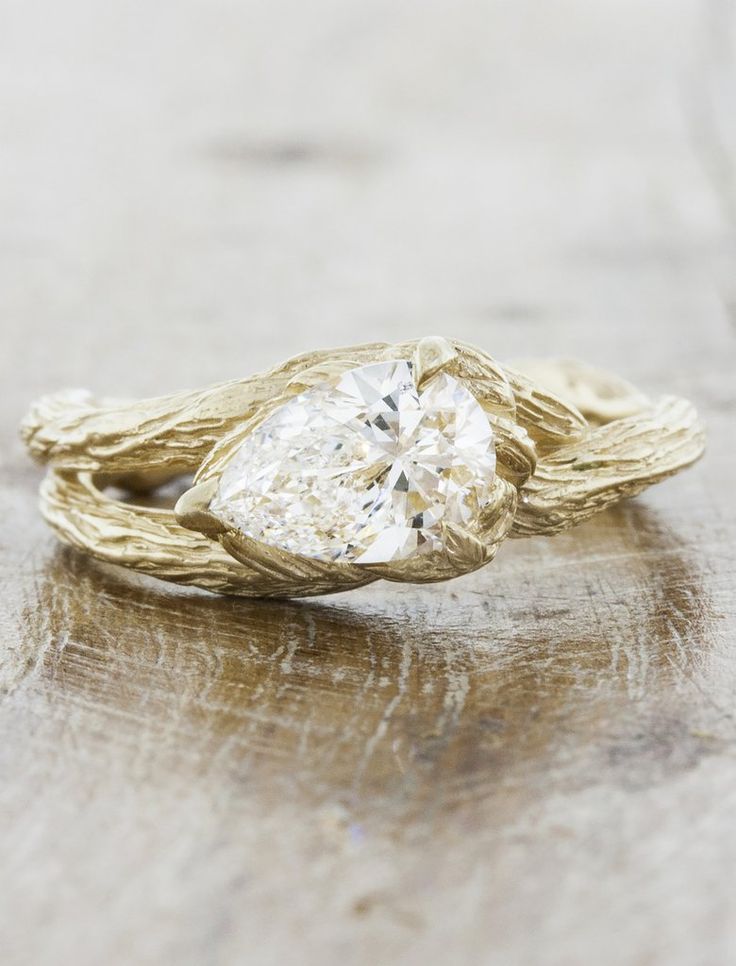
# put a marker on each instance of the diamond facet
(365, 470)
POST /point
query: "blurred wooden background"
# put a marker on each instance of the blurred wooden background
(535, 764)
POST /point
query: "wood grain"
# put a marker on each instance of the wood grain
(535, 764)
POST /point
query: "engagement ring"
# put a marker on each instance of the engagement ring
(408, 462)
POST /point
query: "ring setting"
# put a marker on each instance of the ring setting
(366, 470)
(410, 462)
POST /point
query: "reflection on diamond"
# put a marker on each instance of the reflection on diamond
(365, 470)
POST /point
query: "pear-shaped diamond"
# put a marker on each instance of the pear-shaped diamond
(365, 470)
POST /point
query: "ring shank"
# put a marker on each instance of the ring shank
(599, 396)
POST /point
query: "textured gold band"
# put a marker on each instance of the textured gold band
(570, 441)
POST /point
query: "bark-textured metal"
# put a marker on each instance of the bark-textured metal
(586, 467)
(531, 765)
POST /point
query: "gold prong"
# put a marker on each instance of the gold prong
(464, 551)
(430, 356)
(192, 509)
(496, 518)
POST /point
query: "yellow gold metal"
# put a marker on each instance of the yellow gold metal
(570, 441)
(192, 509)
(430, 356)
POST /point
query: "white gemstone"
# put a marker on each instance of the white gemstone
(365, 470)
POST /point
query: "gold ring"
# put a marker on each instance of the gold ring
(409, 462)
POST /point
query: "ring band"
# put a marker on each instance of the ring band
(409, 462)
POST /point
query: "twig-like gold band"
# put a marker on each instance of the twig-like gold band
(569, 441)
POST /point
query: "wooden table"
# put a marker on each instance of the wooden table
(534, 764)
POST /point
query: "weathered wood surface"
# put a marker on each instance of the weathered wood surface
(534, 764)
